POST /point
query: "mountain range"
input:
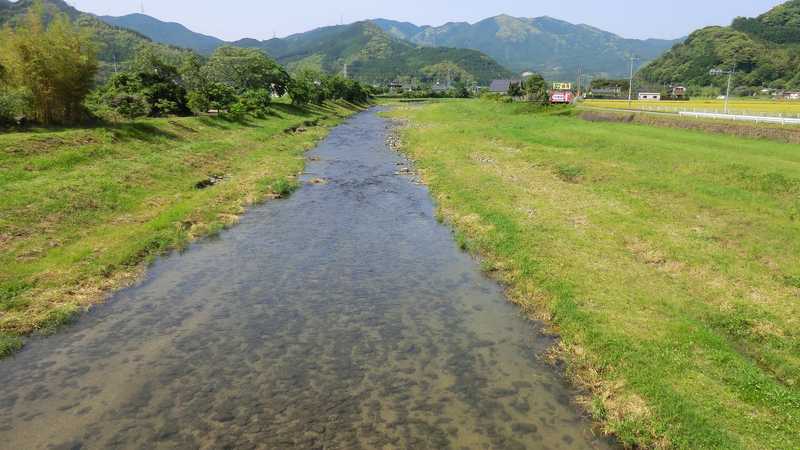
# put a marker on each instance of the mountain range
(552, 47)
(380, 50)
(764, 51)
(555, 48)
(368, 53)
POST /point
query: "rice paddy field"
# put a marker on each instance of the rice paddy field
(737, 106)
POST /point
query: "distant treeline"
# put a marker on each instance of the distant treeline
(49, 66)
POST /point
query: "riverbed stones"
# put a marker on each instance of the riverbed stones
(337, 319)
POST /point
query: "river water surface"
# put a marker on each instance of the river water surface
(342, 318)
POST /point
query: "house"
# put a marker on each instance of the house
(501, 86)
(678, 92)
(649, 96)
(791, 95)
(440, 87)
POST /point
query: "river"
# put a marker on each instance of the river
(344, 317)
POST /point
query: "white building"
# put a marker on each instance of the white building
(649, 96)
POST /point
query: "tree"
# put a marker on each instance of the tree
(121, 97)
(306, 87)
(214, 96)
(256, 101)
(515, 90)
(246, 69)
(191, 73)
(159, 81)
(535, 89)
(54, 62)
(460, 90)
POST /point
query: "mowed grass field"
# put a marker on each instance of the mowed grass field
(736, 106)
(667, 260)
(82, 210)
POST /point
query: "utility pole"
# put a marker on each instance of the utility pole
(730, 74)
(630, 86)
(728, 92)
(580, 74)
(345, 70)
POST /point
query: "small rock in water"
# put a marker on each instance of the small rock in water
(212, 180)
(524, 428)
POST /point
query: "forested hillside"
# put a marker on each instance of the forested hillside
(764, 50)
(169, 33)
(372, 55)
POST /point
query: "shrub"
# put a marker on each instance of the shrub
(256, 101)
(119, 105)
(12, 105)
(215, 96)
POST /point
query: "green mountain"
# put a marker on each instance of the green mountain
(764, 50)
(557, 49)
(169, 33)
(372, 55)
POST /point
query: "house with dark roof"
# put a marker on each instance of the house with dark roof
(501, 86)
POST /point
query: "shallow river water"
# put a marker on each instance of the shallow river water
(342, 318)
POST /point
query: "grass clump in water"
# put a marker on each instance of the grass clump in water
(9, 344)
(280, 187)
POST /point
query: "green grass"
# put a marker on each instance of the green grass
(83, 210)
(666, 259)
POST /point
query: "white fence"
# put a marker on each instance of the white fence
(743, 118)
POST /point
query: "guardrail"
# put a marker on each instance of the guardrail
(734, 117)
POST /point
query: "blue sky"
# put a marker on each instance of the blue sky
(234, 19)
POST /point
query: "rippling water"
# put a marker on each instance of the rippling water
(342, 318)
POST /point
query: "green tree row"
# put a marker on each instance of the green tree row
(49, 66)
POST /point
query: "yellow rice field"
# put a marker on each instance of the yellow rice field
(737, 106)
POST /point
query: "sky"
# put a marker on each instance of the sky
(235, 19)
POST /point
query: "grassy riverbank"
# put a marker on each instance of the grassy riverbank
(666, 259)
(83, 210)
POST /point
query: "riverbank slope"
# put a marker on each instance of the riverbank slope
(84, 210)
(666, 259)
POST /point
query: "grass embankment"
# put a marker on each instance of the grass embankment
(82, 210)
(789, 108)
(666, 259)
